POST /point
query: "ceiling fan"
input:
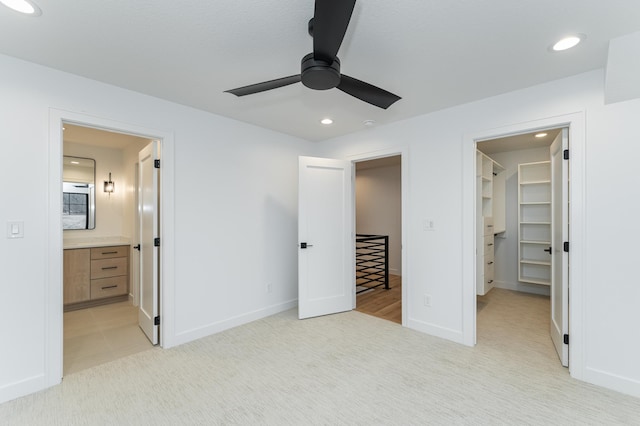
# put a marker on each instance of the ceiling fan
(320, 70)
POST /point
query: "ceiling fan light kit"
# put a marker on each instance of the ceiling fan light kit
(320, 70)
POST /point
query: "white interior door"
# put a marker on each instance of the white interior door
(326, 275)
(559, 235)
(148, 226)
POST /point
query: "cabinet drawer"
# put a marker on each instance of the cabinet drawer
(488, 243)
(488, 226)
(103, 268)
(489, 256)
(488, 270)
(109, 252)
(488, 283)
(107, 287)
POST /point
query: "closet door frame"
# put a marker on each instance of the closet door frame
(575, 122)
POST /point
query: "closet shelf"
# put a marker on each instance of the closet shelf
(535, 281)
(534, 230)
(535, 262)
(535, 182)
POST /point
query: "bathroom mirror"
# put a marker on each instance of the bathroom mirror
(78, 193)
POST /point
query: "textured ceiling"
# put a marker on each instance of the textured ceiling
(433, 53)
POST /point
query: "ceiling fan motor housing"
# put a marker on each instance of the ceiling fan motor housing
(318, 74)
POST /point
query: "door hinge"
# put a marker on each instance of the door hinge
(156, 242)
(566, 247)
(156, 321)
(565, 154)
(156, 164)
(565, 339)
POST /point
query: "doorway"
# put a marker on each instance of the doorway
(378, 256)
(327, 233)
(103, 324)
(521, 278)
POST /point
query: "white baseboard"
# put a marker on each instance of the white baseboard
(612, 381)
(217, 327)
(524, 287)
(22, 388)
(436, 330)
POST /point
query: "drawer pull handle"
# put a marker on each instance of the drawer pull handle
(109, 286)
(109, 252)
(109, 267)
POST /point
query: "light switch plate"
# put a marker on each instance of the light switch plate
(428, 224)
(15, 230)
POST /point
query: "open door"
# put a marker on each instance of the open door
(559, 235)
(326, 276)
(148, 181)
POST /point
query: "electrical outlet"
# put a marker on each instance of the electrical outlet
(427, 300)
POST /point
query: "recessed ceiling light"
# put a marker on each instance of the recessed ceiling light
(326, 121)
(567, 43)
(541, 135)
(23, 6)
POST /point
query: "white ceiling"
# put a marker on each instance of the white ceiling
(433, 53)
(98, 137)
(518, 142)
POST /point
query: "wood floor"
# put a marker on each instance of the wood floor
(381, 303)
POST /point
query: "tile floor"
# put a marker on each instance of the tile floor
(94, 336)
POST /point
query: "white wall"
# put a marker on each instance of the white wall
(235, 200)
(610, 294)
(379, 208)
(234, 210)
(109, 218)
(506, 244)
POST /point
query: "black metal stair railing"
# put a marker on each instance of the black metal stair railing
(372, 262)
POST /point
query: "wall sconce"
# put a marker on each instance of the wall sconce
(109, 186)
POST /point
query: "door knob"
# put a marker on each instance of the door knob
(548, 250)
(137, 247)
(305, 245)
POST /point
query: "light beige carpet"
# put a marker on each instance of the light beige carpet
(346, 369)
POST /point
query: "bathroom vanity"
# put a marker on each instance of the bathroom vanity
(95, 273)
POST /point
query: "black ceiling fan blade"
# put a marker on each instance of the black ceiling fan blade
(330, 21)
(265, 85)
(367, 92)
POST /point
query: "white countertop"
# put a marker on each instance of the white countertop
(76, 243)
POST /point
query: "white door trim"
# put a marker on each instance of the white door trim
(403, 152)
(576, 123)
(53, 302)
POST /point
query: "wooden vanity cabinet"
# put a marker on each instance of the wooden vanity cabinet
(96, 274)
